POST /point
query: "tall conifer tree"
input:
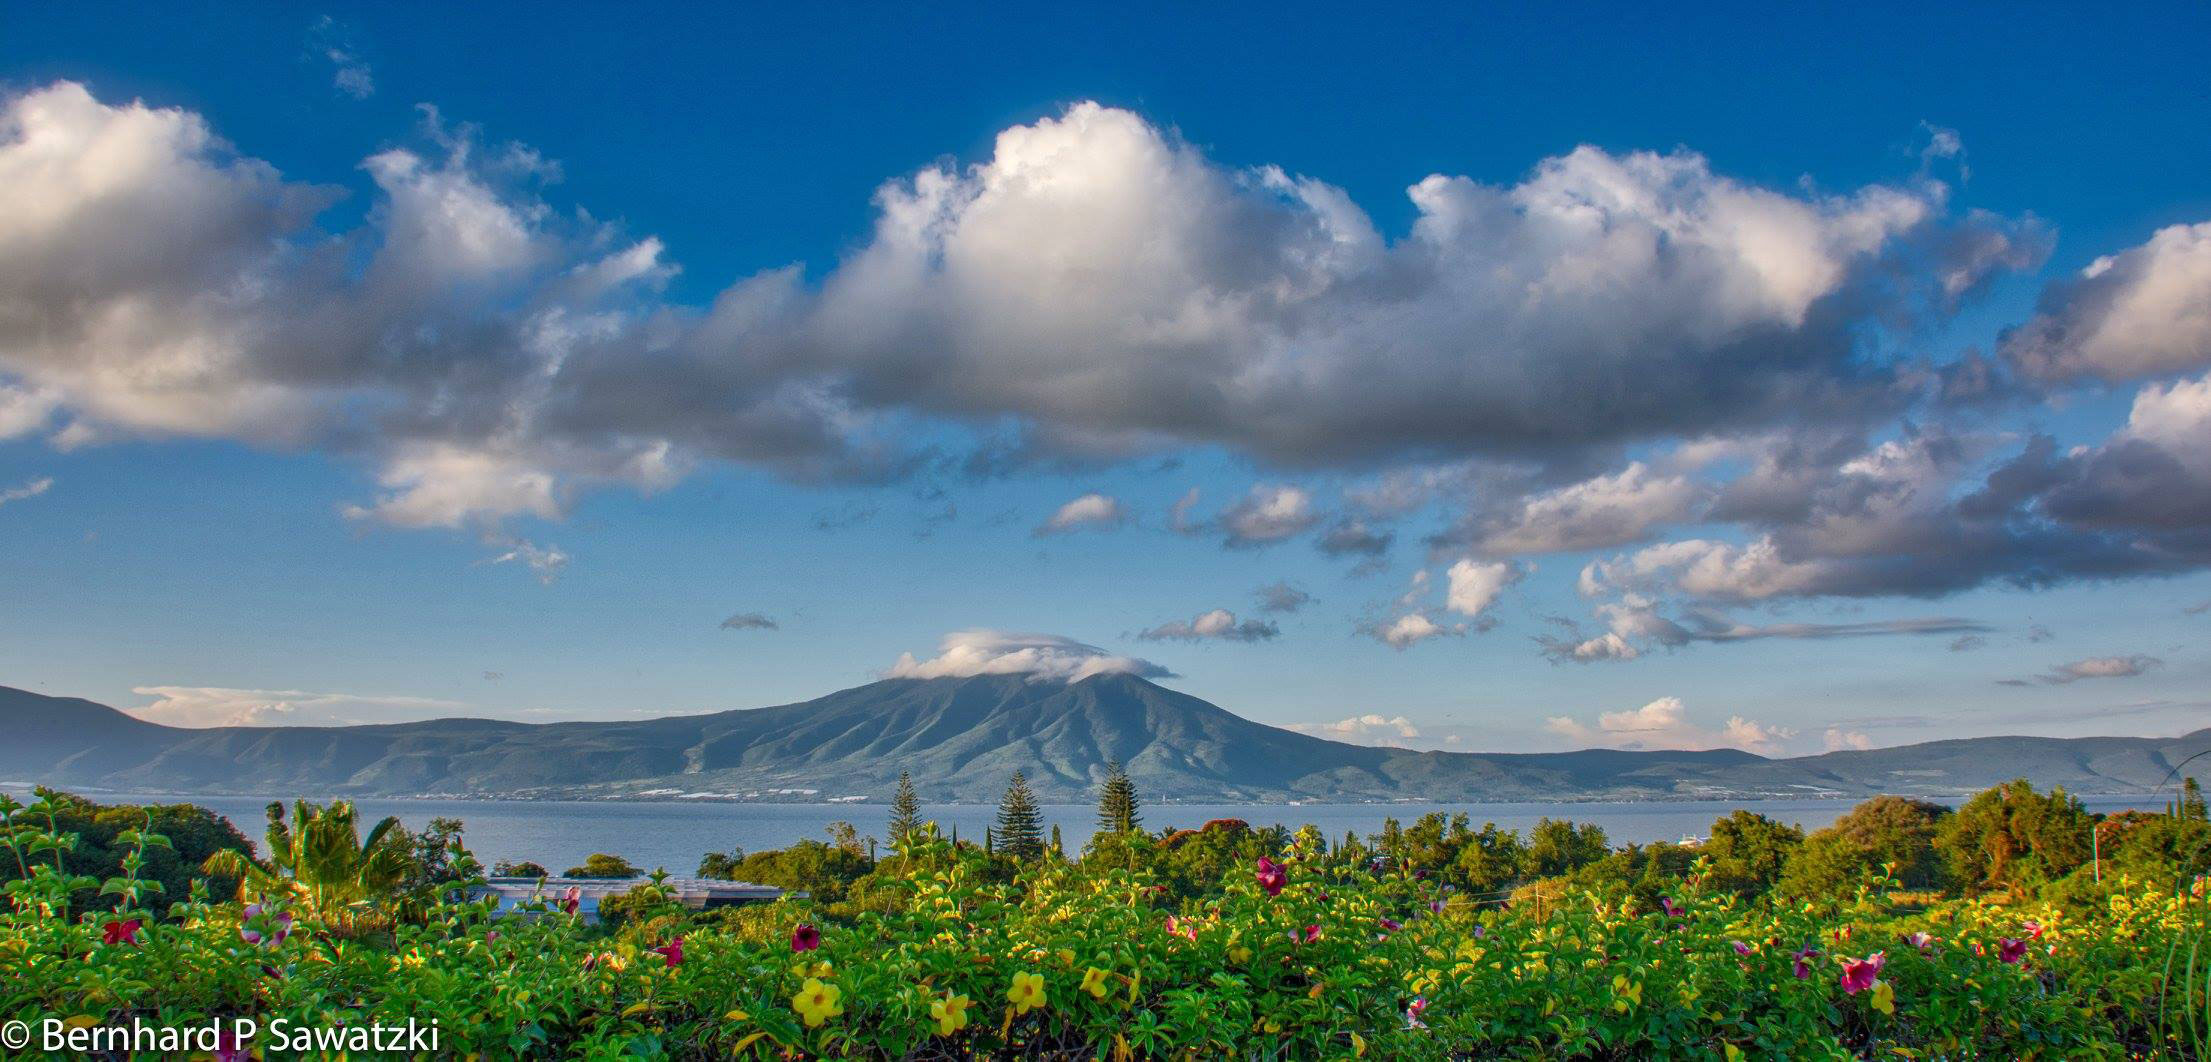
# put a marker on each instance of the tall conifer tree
(1019, 831)
(905, 810)
(1117, 806)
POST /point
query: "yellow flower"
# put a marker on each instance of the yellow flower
(1884, 997)
(1239, 955)
(1630, 995)
(1094, 982)
(1027, 993)
(950, 1014)
(817, 1002)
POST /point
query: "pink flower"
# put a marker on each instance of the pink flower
(1305, 936)
(1741, 948)
(1922, 940)
(1272, 877)
(805, 938)
(492, 937)
(672, 951)
(263, 929)
(2011, 951)
(227, 1047)
(1437, 905)
(1480, 932)
(2034, 930)
(1860, 974)
(1414, 1010)
(124, 932)
(571, 899)
(1804, 963)
(1666, 903)
(1391, 924)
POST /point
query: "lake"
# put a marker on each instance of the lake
(674, 834)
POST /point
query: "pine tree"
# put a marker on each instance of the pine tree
(2191, 801)
(1018, 820)
(905, 811)
(1059, 851)
(1117, 804)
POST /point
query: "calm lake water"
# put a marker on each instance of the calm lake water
(674, 834)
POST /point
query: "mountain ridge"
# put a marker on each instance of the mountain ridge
(961, 738)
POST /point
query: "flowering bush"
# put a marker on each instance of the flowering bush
(1307, 955)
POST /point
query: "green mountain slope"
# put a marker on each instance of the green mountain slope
(962, 738)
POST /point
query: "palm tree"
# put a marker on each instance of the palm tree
(321, 863)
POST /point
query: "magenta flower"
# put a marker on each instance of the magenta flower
(1414, 1010)
(227, 1047)
(2011, 951)
(1437, 905)
(1860, 974)
(1272, 877)
(571, 899)
(1804, 963)
(1391, 924)
(673, 952)
(1666, 903)
(124, 932)
(1307, 936)
(805, 937)
(1480, 932)
(1741, 948)
(264, 929)
(491, 937)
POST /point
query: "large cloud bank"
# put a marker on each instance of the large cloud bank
(1103, 284)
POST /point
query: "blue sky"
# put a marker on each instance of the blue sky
(321, 398)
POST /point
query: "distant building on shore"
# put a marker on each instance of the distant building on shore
(698, 894)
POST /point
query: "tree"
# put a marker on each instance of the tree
(905, 811)
(1117, 804)
(1491, 860)
(507, 868)
(321, 862)
(1059, 851)
(602, 865)
(1749, 850)
(2190, 806)
(433, 855)
(1556, 846)
(1892, 830)
(2016, 839)
(194, 833)
(1019, 828)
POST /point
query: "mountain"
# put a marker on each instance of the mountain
(963, 737)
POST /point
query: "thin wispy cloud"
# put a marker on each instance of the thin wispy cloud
(2094, 667)
(29, 489)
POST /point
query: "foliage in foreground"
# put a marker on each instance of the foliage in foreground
(1301, 953)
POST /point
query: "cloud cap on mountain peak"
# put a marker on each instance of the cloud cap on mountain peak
(1042, 657)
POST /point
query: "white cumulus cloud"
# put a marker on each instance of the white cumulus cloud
(1090, 510)
(1042, 657)
(1665, 724)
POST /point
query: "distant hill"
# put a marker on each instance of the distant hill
(961, 738)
